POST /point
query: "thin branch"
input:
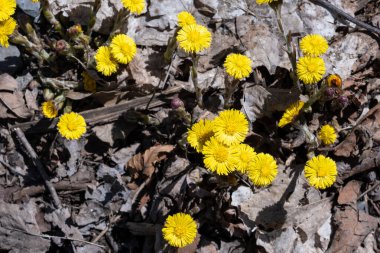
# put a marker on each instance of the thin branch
(32, 154)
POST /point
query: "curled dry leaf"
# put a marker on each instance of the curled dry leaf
(144, 162)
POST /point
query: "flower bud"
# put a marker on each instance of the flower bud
(60, 45)
(48, 94)
(334, 80)
(343, 101)
(329, 93)
(75, 30)
(176, 103)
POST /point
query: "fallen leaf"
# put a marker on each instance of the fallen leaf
(349, 193)
(144, 162)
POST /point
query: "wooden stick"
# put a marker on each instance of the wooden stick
(21, 136)
(100, 115)
(335, 10)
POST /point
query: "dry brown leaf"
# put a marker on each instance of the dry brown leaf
(353, 227)
(191, 248)
(349, 193)
(8, 83)
(144, 162)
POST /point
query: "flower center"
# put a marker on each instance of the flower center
(221, 154)
(265, 171)
(312, 67)
(244, 157)
(230, 129)
(321, 172)
(205, 137)
(71, 126)
(193, 36)
(180, 231)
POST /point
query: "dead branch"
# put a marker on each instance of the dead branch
(32, 154)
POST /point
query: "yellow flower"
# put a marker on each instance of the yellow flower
(89, 84)
(194, 38)
(334, 80)
(290, 113)
(134, 6)
(265, 1)
(245, 155)
(314, 45)
(71, 125)
(35, 1)
(320, 172)
(7, 9)
(231, 127)
(105, 64)
(263, 169)
(49, 110)
(185, 18)
(327, 135)
(7, 27)
(238, 66)
(310, 70)
(218, 157)
(179, 230)
(200, 133)
(123, 48)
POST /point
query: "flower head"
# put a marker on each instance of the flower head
(35, 1)
(185, 18)
(314, 45)
(263, 169)
(49, 110)
(105, 63)
(334, 80)
(320, 172)
(327, 135)
(134, 6)
(200, 133)
(7, 27)
(194, 38)
(310, 70)
(218, 157)
(89, 84)
(238, 66)
(123, 48)
(245, 155)
(231, 127)
(7, 9)
(265, 1)
(290, 113)
(71, 125)
(179, 230)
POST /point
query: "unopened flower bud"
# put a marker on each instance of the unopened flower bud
(334, 80)
(329, 92)
(75, 30)
(48, 94)
(176, 103)
(343, 101)
(60, 45)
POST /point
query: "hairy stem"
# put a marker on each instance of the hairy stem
(229, 91)
(194, 78)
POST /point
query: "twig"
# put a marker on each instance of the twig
(104, 231)
(21, 136)
(59, 237)
(368, 190)
(335, 10)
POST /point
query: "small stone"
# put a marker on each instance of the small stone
(30, 8)
(10, 60)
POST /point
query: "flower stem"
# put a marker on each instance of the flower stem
(194, 78)
(51, 18)
(229, 91)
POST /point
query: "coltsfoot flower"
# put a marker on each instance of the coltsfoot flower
(49, 110)
(7, 27)
(238, 66)
(313, 45)
(218, 157)
(265, 1)
(263, 170)
(105, 63)
(89, 84)
(134, 6)
(321, 172)
(7, 9)
(334, 80)
(179, 230)
(310, 70)
(231, 127)
(123, 48)
(200, 133)
(327, 135)
(194, 38)
(245, 155)
(71, 125)
(290, 113)
(185, 18)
